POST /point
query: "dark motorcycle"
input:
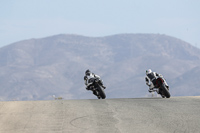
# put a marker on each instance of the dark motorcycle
(96, 85)
(161, 87)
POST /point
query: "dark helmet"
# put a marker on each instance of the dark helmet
(87, 72)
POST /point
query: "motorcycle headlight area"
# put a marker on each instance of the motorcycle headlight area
(91, 80)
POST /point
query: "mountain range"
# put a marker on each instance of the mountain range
(41, 69)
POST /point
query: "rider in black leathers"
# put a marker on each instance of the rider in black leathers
(89, 75)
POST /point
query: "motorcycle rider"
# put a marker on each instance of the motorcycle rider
(151, 79)
(88, 75)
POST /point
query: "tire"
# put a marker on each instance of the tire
(165, 91)
(101, 92)
(163, 96)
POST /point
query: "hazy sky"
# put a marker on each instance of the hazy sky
(26, 19)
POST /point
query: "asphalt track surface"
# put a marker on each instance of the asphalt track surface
(137, 115)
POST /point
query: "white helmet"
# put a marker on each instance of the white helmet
(148, 71)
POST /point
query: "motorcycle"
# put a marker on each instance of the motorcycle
(96, 85)
(161, 87)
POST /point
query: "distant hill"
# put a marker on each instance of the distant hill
(37, 69)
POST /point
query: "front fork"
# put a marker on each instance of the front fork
(93, 88)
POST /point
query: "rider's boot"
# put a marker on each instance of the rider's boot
(150, 90)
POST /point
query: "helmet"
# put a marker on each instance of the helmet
(87, 72)
(148, 71)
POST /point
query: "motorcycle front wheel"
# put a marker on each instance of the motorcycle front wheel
(101, 92)
(165, 91)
